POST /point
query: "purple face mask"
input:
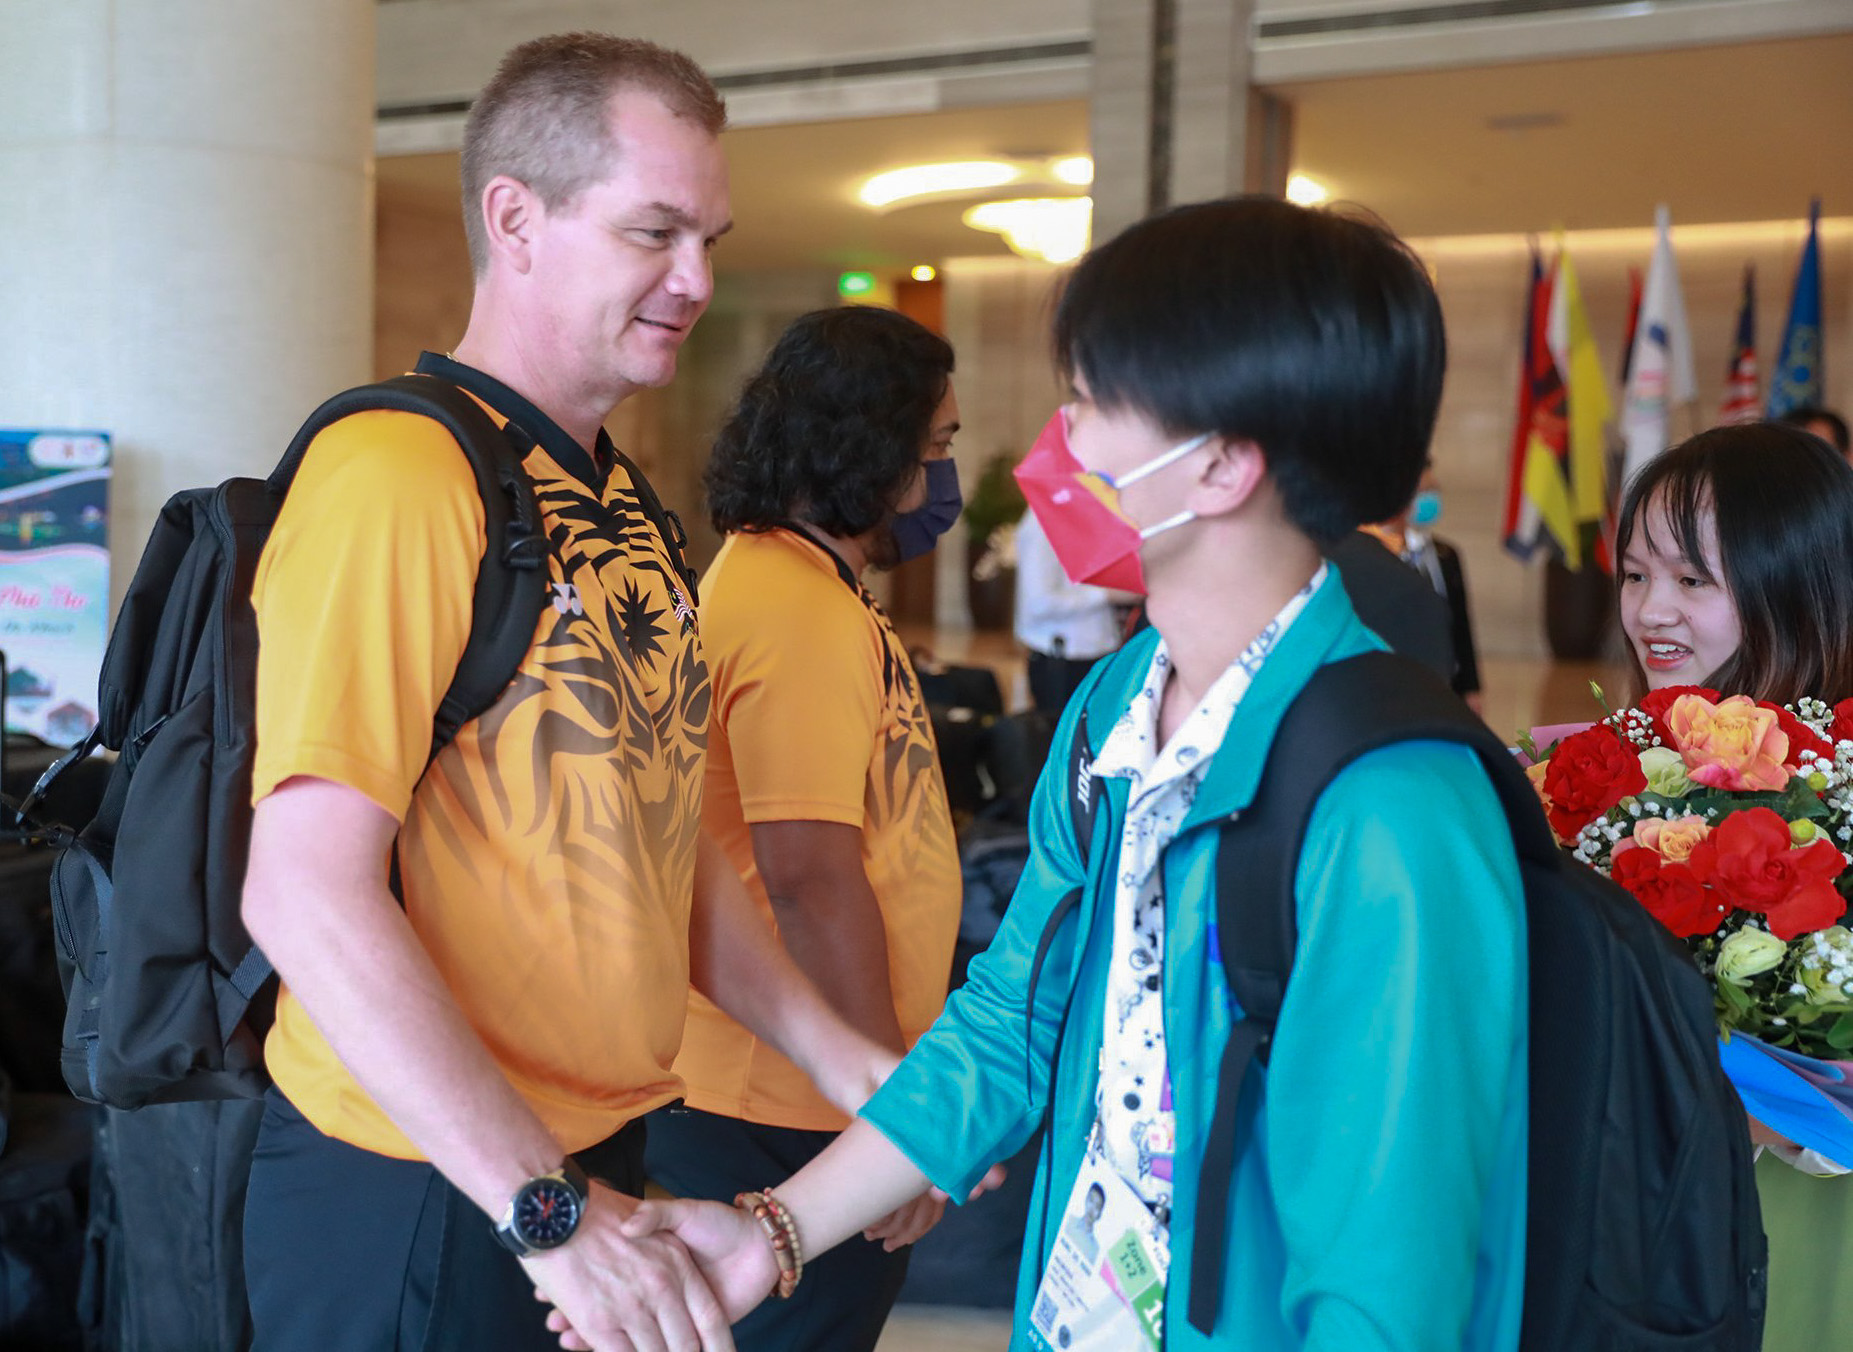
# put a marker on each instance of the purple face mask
(916, 532)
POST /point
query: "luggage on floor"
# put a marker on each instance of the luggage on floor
(46, 1304)
(959, 734)
(31, 997)
(956, 687)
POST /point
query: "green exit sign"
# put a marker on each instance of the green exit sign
(855, 284)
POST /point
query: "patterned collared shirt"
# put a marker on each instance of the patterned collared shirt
(1136, 1121)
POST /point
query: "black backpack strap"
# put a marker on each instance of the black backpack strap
(1348, 709)
(1084, 790)
(511, 583)
(667, 523)
(1084, 795)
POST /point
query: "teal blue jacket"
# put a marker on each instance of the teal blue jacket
(1379, 1192)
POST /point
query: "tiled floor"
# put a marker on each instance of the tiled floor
(926, 1328)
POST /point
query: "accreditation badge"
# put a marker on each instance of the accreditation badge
(1104, 1288)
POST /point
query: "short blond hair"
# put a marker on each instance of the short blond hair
(544, 119)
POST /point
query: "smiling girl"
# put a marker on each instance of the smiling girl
(1736, 571)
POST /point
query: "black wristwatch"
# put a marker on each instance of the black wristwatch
(545, 1211)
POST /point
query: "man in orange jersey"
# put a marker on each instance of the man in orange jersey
(439, 1064)
(823, 780)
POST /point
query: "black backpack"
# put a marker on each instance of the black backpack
(168, 998)
(1643, 1223)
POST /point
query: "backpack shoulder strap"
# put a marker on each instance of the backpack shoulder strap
(511, 583)
(1115, 673)
(1348, 709)
(667, 523)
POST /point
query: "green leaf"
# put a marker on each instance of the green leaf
(1840, 1036)
(1791, 804)
(1670, 807)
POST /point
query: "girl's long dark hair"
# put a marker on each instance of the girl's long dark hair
(1783, 503)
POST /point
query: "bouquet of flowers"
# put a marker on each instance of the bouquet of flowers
(1729, 820)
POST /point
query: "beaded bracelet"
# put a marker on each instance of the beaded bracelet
(782, 1231)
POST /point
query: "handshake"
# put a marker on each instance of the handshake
(673, 1276)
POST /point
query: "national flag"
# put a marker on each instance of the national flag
(1741, 399)
(1660, 372)
(1796, 378)
(1571, 487)
(1634, 324)
(1536, 372)
(1546, 513)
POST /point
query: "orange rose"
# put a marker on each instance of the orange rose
(1671, 840)
(1729, 745)
(1535, 773)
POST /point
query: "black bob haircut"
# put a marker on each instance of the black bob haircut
(831, 430)
(1312, 333)
(1783, 503)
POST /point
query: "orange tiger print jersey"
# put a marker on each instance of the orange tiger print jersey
(818, 717)
(548, 857)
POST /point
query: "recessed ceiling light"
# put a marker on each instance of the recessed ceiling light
(1075, 169)
(923, 272)
(1054, 229)
(924, 180)
(1306, 192)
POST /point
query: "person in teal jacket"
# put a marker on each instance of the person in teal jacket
(1251, 381)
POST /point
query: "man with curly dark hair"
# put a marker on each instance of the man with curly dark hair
(822, 783)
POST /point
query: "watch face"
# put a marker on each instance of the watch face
(546, 1213)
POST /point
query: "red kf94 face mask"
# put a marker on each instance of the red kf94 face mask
(1079, 509)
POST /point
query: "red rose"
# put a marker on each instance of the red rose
(1841, 729)
(1750, 860)
(1812, 906)
(1671, 893)
(1801, 736)
(1657, 702)
(1587, 775)
(1746, 857)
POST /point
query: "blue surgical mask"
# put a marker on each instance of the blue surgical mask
(1426, 509)
(916, 532)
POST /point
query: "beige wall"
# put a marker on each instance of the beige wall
(997, 317)
(1482, 283)
(997, 314)
(422, 274)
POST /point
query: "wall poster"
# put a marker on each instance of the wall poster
(54, 578)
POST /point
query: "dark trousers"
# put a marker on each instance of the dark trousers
(1053, 679)
(352, 1250)
(845, 1296)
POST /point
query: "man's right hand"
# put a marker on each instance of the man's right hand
(625, 1289)
(732, 1248)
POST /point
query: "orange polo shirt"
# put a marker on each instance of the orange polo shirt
(547, 859)
(818, 717)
